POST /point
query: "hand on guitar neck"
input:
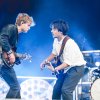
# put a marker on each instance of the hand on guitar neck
(48, 64)
(52, 66)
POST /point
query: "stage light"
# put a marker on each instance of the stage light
(36, 89)
(31, 89)
(3, 89)
(97, 64)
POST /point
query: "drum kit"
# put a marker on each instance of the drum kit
(95, 84)
(94, 78)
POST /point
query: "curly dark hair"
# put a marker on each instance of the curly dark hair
(61, 25)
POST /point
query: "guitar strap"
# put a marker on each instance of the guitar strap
(57, 59)
(62, 46)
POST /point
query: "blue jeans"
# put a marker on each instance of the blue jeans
(9, 75)
(66, 83)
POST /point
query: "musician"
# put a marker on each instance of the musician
(8, 41)
(72, 62)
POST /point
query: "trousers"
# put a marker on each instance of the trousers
(9, 75)
(66, 83)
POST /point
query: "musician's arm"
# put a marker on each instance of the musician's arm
(51, 57)
(51, 68)
(48, 59)
(4, 41)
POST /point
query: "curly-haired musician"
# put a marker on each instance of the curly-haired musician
(70, 67)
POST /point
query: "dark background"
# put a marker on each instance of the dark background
(83, 17)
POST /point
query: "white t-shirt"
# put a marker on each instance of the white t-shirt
(71, 54)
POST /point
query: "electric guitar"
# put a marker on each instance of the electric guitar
(18, 58)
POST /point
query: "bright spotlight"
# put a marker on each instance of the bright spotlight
(97, 64)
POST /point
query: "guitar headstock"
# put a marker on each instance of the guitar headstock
(27, 57)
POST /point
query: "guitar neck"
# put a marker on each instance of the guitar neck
(20, 55)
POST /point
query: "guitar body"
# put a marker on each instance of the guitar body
(5, 60)
(18, 58)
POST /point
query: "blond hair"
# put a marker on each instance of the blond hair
(25, 18)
